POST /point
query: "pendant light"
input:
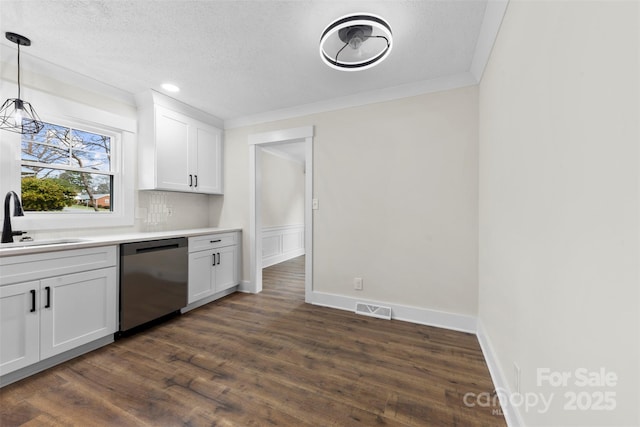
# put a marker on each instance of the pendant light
(17, 115)
(356, 42)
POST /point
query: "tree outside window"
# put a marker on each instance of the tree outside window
(66, 169)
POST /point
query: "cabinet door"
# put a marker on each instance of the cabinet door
(172, 151)
(201, 276)
(19, 326)
(77, 309)
(227, 268)
(207, 152)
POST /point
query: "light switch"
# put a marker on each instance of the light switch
(314, 204)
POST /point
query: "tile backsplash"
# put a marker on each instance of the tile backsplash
(164, 210)
(158, 210)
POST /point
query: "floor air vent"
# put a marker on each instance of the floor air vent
(372, 310)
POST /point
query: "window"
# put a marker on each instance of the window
(67, 170)
(86, 151)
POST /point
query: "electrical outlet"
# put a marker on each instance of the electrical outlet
(516, 371)
(314, 204)
(357, 283)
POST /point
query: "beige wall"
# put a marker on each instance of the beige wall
(558, 260)
(397, 187)
(282, 191)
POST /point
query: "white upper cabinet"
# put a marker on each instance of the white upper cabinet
(171, 151)
(208, 146)
(178, 149)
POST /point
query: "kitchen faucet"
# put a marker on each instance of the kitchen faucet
(7, 232)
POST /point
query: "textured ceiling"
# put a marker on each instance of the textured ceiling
(240, 58)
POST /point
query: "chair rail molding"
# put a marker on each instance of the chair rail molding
(281, 243)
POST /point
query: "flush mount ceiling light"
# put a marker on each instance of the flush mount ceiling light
(356, 42)
(17, 115)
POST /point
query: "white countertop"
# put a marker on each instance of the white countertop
(46, 245)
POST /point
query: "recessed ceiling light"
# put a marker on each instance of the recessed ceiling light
(170, 87)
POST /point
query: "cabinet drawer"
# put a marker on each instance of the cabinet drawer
(212, 241)
(22, 268)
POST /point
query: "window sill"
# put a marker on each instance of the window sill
(33, 221)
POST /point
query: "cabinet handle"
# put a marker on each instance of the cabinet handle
(214, 259)
(218, 258)
(48, 289)
(196, 176)
(33, 300)
(215, 241)
(190, 180)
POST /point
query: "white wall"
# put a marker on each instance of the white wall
(558, 211)
(282, 191)
(397, 186)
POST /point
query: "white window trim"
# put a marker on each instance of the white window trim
(56, 110)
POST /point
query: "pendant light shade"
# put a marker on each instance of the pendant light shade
(356, 42)
(17, 115)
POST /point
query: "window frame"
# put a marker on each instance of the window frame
(76, 115)
(114, 146)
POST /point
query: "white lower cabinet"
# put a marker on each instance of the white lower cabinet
(226, 269)
(43, 318)
(80, 310)
(213, 264)
(201, 275)
(19, 326)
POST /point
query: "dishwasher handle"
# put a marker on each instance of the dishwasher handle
(156, 248)
(152, 246)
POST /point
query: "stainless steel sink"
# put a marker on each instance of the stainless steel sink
(36, 243)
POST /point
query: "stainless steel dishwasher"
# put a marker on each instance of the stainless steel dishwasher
(153, 280)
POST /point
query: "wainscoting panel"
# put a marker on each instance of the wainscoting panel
(282, 243)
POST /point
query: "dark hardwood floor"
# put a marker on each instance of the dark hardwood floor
(260, 360)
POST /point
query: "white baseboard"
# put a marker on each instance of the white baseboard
(282, 243)
(422, 316)
(440, 319)
(247, 287)
(511, 414)
(208, 299)
(273, 260)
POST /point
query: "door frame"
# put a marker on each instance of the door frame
(258, 141)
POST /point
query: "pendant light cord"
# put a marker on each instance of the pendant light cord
(19, 71)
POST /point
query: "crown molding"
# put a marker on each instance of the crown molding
(382, 95)
(148, 98)
(493, 15)
(42, 70)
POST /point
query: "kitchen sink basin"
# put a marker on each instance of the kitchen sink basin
(36, 243)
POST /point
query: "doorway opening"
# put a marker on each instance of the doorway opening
(257, 144)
